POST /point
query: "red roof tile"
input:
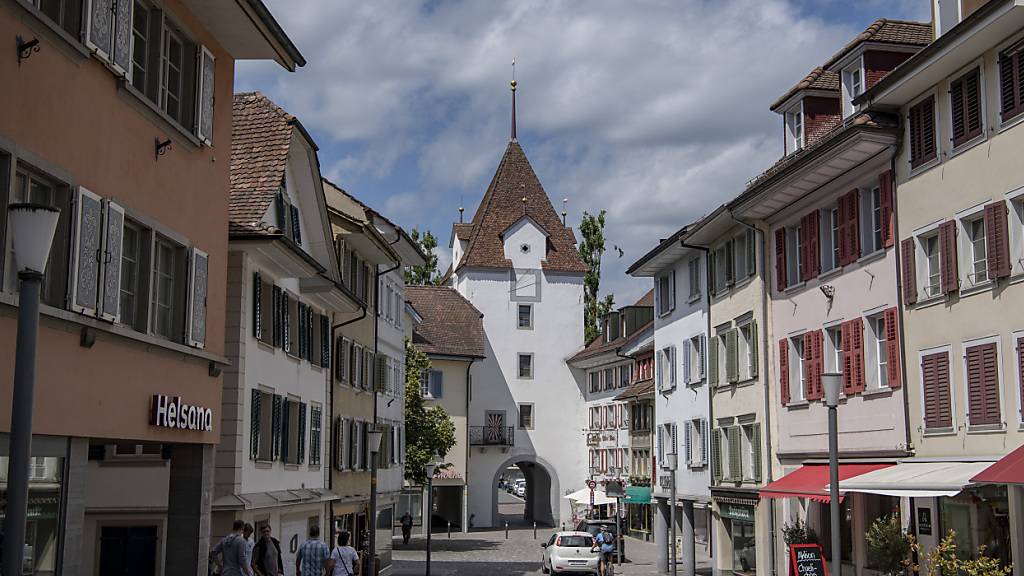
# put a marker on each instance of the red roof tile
(260, 139)
(451, 324)
(885, 31)
(817, 79)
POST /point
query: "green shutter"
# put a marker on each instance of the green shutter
(275, 427)
(716, 454)
(254, 425)
(713, 361)
(756, 447)
(302, 432)
(732, 372)
(284, 429)
(735, 457)
(753, 349)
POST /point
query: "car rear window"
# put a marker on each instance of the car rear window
(575, 542)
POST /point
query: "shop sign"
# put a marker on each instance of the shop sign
(737, 511)
(170, 412)
(924, 521)
(807, 560)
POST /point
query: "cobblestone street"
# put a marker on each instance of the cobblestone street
(487, 552)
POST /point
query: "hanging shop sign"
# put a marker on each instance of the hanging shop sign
(924, 521)
(736, 511)
(170, 412)
(807, 560)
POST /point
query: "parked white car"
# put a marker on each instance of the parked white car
(520, 489)
(569, 552)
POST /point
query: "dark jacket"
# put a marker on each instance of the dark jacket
(261, 549)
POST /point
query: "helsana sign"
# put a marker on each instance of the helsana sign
(170, 412)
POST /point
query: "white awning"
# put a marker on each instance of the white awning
(916, 479)
(583, 496)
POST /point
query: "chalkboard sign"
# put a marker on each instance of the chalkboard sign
(807, 560)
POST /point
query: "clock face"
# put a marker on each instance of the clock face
(524, 248)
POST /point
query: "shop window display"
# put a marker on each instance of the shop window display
(45, 493)
(988, 524)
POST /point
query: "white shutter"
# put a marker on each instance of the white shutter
(199, 263)
(661, 444)
(675, 440)
(703, 441)
(686, 361)
(205, 100)
(660, 362)
(688, 444)
(122, 40)
(88, 242)
(99, 27)
(110, 267)
(672, 369)
(703, 356)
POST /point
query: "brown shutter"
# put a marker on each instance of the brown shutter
(815, 360)
(935, 381)
(972, 105)
(997, 240)
(813, 245)
(956, 104)
(784, 370)
(885, 194)
(853, 225)
(805, 248)
(780, 259)
(1010, 90)
(949, 275)
(809, 387)
(914, 124)
(892, 348)
(841, 224)
(1020, 372)
(908, 262)
(922, 132)
(857, 336)
(982, 385)
(848, 382)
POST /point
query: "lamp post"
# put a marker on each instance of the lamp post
(373, 438)
(832, 382)
(428, 469)
(32, 228)
(670, 465)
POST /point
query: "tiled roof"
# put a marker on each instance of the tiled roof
(637, 389)
(260, 139)
(646, 299)
(463, 230)
(599, 346)
(818, 79)
(451, 325)
(885, 31)
(503, 206)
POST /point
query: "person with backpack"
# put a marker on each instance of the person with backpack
(266, 556)
(232, 552)
(344, 560)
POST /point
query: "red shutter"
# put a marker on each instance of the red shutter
(982, 385)
(892, 348)
(784, 370)
(818, 337)
(805, 267)
(935, 380)
(853, 225)
(908, 261)
(848, 382)
(949, 276)
(780, 259)
(857, 336)
(813, 244)
(841, 224)
(1020, 372)
(885, 194)
(997, 240)
(812, 355)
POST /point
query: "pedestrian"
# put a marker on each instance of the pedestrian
(344, 560)
(266, 555)
(232, 552)
(309, 560)
(406, 521)
(250, 543)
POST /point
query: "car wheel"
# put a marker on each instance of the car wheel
(544, 567)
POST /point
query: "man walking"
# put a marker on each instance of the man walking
(309, 560)
(406, 521)
(232, 551)
(266, 556)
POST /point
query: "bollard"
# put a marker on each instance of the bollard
(449, 529)
(534, 530)
(506, 530)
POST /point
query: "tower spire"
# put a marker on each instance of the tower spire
(514, 101)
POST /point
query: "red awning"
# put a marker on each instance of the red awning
(810, 481)
(1007, 470)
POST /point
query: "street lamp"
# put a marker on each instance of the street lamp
(832, 382)
(429, 469)
(671, 463)
(373, 438)
(32, 228)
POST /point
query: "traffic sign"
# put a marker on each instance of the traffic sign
(591, 484)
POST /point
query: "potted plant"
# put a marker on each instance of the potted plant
(798, 532)
(889, 545)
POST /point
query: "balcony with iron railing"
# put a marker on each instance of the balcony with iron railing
(492, 436)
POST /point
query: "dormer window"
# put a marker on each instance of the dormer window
(853, 86)
(795, 128)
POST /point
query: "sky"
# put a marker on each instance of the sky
(655, 111)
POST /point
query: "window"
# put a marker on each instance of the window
(938, 413)
(264, 423)
(609, 378)
(141, 42)
(965, 107)
(34, 187)
(876, 222)
(526, 416)
(921, 126)
(525, 366)
(666, 293)
(747, 351)
(595, 381)
(695, 444)
(794, 255)
(879, 352)
(750, 457)
(693, 359)
(796, 367)
(624, 376)
(131, 263)
(693, 268)
(981, 364)
(795, 129)
(834, 341)
(294, 423)
(525, 319)
(834, 236)
(853, 86)
(432, 384)
(1011, 82)
(931, 252)
(168, 283)
(979, 262)
(667, 368)
(722, 264)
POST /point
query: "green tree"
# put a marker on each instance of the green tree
(591, 250)
(428, 431)
(426, 274)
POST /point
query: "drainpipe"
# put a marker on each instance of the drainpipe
(765, 374)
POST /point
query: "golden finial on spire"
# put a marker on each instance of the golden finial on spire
(514, 84)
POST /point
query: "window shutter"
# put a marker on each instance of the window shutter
(113, 235)
(336, 443)
(1011, 65)
(810, 258)
(885, 199)
(315, 434)
(285, 429)
(282, 211)
(437, 384)
(908, 263)
(257, 297)
(712, 273)
(672, 291)
(296, 229)
(812, 375)
(316, 347)
(198, 279)
(88, 243)
(686, 361)
(755, 446)
(982, 385)
(275, 427)
(754, 363)
(716, 455)
(784, 370)
(922, 132)
(661, 443)
(713, 361)
(674, 448)
(972, 105)
(301, 309)
(672, 366)
(99, 31)
(957, 105)
(857, 335)
(204, 123)
(344, 436)
(730, 263)
(703, 340)
(935, 376)
(852, 226)
(288, 345)
(254, 425)
(948, 274)
(751, 255)
(382, 373)
(122, 37)
(1020, 372)
(735, 455)
(732, 373)
(703, 442)
(892, 348)
(780, 259)
(279, 307)
(688, 444)
(302, 433)
(325, 340)
(340, 360)
(997, 240)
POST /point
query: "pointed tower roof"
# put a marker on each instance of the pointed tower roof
(503, 205)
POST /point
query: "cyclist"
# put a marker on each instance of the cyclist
(605, 542)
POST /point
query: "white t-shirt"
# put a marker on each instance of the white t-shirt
(345, 558)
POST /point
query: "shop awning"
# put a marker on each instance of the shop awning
(583, 497)
(916, 479)
(1008, 470)
(811, 481)
(638, 494)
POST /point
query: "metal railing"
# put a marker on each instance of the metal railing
(492, 436)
